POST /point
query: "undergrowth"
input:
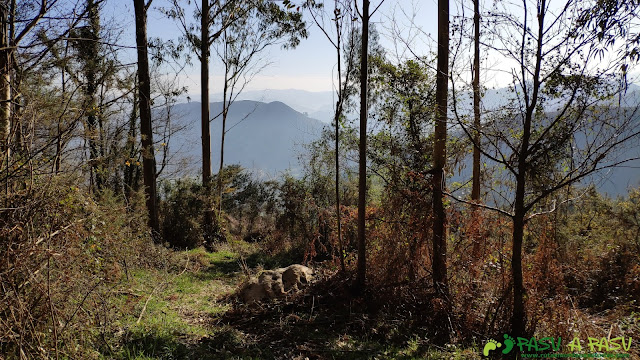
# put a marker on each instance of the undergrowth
(82, 278)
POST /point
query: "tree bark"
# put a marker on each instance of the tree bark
(337, 147)
(90, 53)
(5, 84)
(362, 165)
(146, 132)
(518, 320)
(439, 264)
(475, 187)
(208, 219)
(225, 112)
(204, 88)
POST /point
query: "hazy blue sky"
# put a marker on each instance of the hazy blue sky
(308, 67)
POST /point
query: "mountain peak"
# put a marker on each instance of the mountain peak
(279, 105)
(264, 137)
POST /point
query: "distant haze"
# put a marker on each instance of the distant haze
(266, 138)
(279, 122)
(317, 105)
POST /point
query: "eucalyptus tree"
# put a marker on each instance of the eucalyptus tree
(341, 34)
(215, 18)
(362, 146)
(239, 48)
(144, 107)
(439, 261)
(475, 186)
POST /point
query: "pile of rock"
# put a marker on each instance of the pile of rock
(275, 283)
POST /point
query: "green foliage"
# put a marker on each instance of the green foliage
(404, 117)
(628, 212)
(181, 213)
(277, 23)
(598, 236)
(248, 200)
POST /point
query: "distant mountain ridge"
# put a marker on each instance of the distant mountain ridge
(264, 137)
(271, 138)
(315, 104)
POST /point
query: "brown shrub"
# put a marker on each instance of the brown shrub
(63, 254)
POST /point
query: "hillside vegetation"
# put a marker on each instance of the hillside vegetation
(419, 224)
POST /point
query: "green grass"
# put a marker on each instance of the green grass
(185, 314)
(180, 308)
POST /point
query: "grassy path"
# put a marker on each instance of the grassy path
(189, 314)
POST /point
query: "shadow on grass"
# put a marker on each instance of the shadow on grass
(227, 267)
(292, 256)
(327, 322)
(222, 343)
(324, 322)
(153, 346)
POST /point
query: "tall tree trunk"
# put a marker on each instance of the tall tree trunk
(204, 89)
(146, 130)
(90, 53)
(439, 263)
(5, 85)
(362, 164)
(475, 183)
(475, 188)
(518, 320)
(519, 316)
(206, 127)
(337, 147)
(225, 112)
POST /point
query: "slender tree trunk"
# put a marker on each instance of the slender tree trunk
(518, 320)
(90, 51)
(439, 263)
(475, 183)
(475, 188)
(221, 169)
(204, 89)
(224, 126)
(362, 165)
(5, 84)
(209, 226)
(337, 148)
(519, 317)
(146, 130)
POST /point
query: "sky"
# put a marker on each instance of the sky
(309, 67)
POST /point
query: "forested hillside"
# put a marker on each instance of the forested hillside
(475, 194)
(267, 139)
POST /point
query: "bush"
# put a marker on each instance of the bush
(64, 252)
(182, 213)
